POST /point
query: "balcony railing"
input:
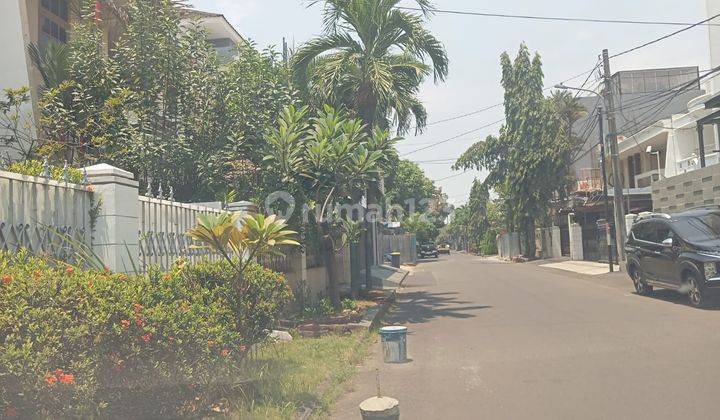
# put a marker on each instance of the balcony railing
(646, 178)
(693, 162)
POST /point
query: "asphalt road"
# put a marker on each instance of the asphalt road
(491, 340)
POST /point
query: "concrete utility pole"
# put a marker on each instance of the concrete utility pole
(605, 188)
(620, 233)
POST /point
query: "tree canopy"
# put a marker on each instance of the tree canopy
(529, 160)
(371, 59)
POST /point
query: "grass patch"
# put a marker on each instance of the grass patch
(304, 373)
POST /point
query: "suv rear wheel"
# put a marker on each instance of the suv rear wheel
(696, 293)
(641, 287)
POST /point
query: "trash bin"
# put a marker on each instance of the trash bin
(394, 342)
(395, 258)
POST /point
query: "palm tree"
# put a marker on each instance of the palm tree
(371, 59)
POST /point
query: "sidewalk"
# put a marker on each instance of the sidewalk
(581, 267)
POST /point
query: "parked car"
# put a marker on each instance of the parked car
(444, 249)
(427, 250)
(679, 251)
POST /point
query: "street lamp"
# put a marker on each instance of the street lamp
(649, 151)
(601, 141)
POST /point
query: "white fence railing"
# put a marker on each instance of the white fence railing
(163, 225)
(37, 214)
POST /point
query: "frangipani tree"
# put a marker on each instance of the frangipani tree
(327, 160)
(241, 239)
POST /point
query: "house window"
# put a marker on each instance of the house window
(54, 21)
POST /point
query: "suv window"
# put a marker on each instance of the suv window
(699, 228)
(644, 232)
(652, 231)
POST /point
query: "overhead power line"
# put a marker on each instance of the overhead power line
(654, 41)
(553, 18)
(474, 130)
(449, 177)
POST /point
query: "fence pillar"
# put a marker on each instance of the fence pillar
(115, 237)
(556, 245)
(576, 244)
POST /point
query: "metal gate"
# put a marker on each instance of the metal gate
(603, 235)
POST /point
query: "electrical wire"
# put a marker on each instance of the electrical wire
(449, 177)
(553, 18)
(654, 41)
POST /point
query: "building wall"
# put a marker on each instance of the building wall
(713, 8)
(691, 189)
(14, 35)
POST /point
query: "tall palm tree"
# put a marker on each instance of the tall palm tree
(371, 59)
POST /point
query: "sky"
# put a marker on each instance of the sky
(474, 45)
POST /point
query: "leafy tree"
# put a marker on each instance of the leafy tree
(408, 186)
(325, 161)
(528, 161)
(17, 131)
(161, 105)
(424, 229)
(371, 59)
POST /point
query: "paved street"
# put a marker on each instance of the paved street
(514, 341)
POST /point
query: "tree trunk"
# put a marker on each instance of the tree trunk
(355, 281)
(529, 238)
(327, 249)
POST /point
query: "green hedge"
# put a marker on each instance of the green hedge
(76, 343)
(36, 168)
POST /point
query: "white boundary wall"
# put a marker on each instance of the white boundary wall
(37, 213)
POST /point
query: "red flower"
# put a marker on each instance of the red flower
(137, 308)
(70, 270)
(242, 347)
(224, 352)
(125, 324)
(67, 379)
(139, 322)
(50, 380)
(167, 277)
(10, 411)
(146, 338)
(90, 188)
(211, 343)
(59, 372)
(171, 339)
(6, 279)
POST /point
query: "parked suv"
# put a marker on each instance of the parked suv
(428, 250)
(679, 252)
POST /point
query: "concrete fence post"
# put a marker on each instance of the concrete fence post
(576, 244)
(115, 236)
(556, 242)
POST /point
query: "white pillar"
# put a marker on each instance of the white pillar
(115, 237)
(629, 221)
(556, 244)
(576, 245)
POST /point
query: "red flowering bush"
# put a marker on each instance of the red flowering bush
(78, 343)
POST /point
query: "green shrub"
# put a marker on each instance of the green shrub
(77, 343)
(35, 168)
(323, 307)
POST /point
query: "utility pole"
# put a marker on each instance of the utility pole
(608, 228)
(620, 233)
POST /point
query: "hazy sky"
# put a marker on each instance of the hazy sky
(474, 45)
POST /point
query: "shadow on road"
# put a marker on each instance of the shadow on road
(421, 306)
(682, 299)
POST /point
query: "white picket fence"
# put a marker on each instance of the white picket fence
(38, 213)
(163, 224)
